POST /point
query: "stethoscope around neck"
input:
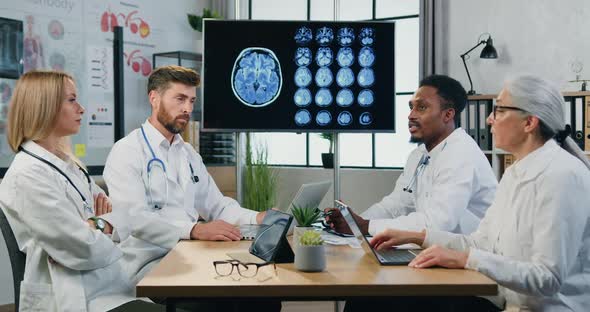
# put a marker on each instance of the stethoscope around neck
(87, 206)
(154, 163)
(421, 165)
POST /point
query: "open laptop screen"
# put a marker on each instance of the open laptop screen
(266, 242)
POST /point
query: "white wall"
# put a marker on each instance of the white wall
(539, 37)
(172, 33)
(360, 188)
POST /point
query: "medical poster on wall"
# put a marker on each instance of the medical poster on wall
(100, 106)
(74, 35)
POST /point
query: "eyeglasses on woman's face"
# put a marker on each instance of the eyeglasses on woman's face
(500, 109)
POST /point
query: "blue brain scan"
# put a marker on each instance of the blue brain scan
(303, 35)
(366, 57)
(302, 77)
(323, 97)
(323, 118)
(345, 77)
(344, 118)
(303, 56)
(365, 98)
(302, 97)
(257, 78)
(345, 97)
(324, 36)
(324, 57)
(323, 77)
(302, 117)
(345, 57)
(366, 119)
(345, 36)
(367, 36)
(366, 77)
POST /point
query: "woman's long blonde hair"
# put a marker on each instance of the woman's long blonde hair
(34, 108)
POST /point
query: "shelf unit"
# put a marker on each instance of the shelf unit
(577, 108)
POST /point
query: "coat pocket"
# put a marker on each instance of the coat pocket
(36, 297)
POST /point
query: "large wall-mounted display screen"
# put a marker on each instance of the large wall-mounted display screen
(298, 76)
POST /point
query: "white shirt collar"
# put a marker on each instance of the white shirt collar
(441, 146)
(154, 135)
(535, 162)
(47, 155)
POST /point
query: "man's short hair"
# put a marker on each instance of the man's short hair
(161, 78)
(450, 90)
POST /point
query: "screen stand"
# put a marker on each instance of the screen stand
(335, 135)
(285, 253)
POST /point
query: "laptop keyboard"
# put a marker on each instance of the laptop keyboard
(396, 256)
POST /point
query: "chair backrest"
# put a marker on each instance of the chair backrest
(17, 257)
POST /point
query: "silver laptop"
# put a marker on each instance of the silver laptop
(390, 256)
(309, 195)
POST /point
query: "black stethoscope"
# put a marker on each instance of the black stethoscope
(87, 206)
(156, 162)
(421, 165)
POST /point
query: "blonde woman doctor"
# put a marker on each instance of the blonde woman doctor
(58, 215)
(535, 238)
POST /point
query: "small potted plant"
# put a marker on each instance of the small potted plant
(304, 216)
(310, 253)
(328, 158)
(196, 21)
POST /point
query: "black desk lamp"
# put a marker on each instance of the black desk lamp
(488, 52)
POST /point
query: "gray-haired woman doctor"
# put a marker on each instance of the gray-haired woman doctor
(535, 238)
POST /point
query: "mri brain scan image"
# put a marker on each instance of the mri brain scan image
(323, 97)
(345, 36)
(302, 97)
(302, 117)
(303, 56)
(365, 98)
(345, 57)
(366, 57)
(324, 36)
(345, 77)
(324, 56)
(366, 77)
(257, 77)
(323, 118)
(323, 77)
(344, 118)
(366, 119)
(303, 36)
(367, 36)
(302, 77)
(344, 97)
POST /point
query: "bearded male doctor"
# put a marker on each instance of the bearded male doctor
(152, 174)
(447, 183)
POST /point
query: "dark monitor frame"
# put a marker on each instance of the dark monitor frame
(14, 74)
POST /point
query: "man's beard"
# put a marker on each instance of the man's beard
(416, 140)
(169, 122)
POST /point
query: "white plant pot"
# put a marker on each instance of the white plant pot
(299, 230)
(310, 258)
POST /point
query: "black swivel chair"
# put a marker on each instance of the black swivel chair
(17, 258)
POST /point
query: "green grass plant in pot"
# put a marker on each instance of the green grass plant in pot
(305, 217)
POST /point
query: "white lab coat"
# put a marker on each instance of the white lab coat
(90, 272)
(126, 176)
(535, 238)
(452, 192)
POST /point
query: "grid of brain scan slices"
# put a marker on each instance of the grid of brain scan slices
(332, 51)
(298, 76)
